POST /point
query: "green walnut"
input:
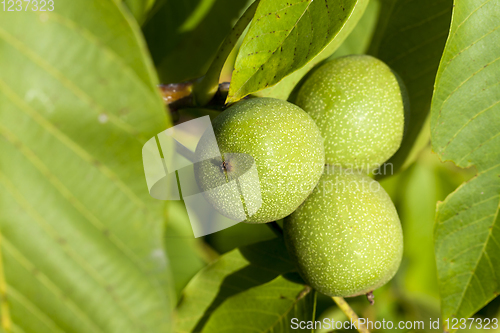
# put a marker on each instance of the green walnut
(346, 238)
(357, 103)
(286, 147)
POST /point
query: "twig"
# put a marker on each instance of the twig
(349, 312)
(178, 96)
(371, 298)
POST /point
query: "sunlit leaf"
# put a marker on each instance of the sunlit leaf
(284, 36)
(270, 307)
(357, 42)
(140, 8)
(465, 128)
(233, 273)
(81, 239)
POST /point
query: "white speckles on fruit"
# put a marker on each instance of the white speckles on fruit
(357, 104)
(346, 238)
(287, 148)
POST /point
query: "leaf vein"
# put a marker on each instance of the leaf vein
(52, 233)
(478, 260)
(59, 186)
(466, 209)
(92, 38)
(466, 80)
(282, 9)
(34, 309)
(467, 18)
(50, 285)
(468, 122)
(25, 50)
(68, 142)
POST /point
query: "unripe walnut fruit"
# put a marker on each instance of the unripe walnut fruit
(356, 102)
(346, 238)
(287, 148)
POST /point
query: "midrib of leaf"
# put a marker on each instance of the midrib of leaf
(282, 42)
(4, 304)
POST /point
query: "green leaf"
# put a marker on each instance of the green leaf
(238, 235)
(184, 250)
(184, 35)
(231, 274)
(81, 238)
(288, 87)
(465, 129)
(266, 308)
(140, 8)
(410, 38)
(286, 35)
